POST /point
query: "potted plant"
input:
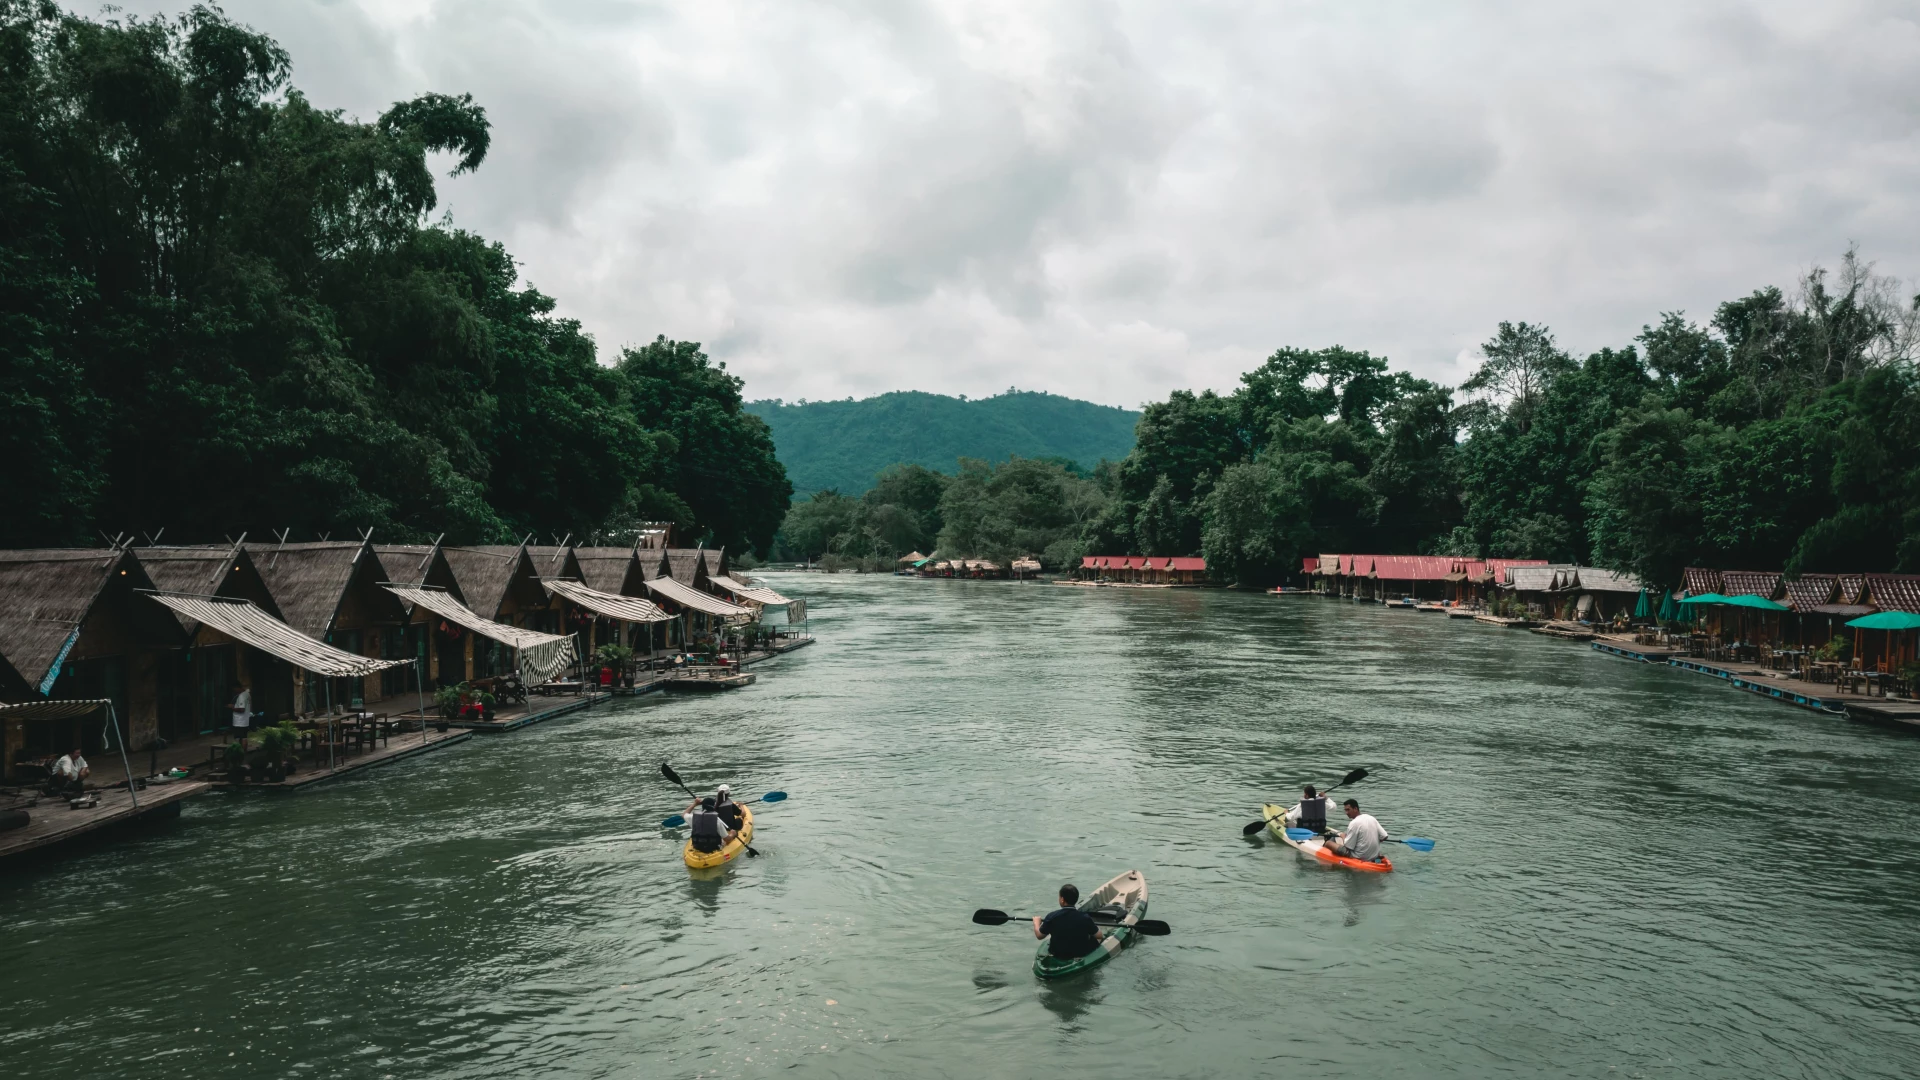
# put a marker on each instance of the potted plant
(277, 745)
(485, 701)
(236, 757)
(614, 657)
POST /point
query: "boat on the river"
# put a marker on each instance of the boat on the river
(1116, 906)
(1280, 819)
(703, 860)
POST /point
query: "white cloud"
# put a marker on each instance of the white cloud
(1115, 200)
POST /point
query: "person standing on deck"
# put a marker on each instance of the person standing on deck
(1363, 835)
(1313, 811)
(1069, 932)
(242, 712)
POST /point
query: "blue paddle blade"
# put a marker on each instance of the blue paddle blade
(1300, 836)
(673, 822)
(1419, 843)
(774, 796)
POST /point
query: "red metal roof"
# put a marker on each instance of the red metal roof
(1811, 591)
(1761, 583)
(1894, 592)
(1187, 563)
(1309, 565)
(1699, 580)
(1088, 562)
(1412, 567)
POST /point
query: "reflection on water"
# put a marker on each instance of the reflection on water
(493, 909)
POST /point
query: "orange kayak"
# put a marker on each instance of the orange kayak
(1280, 819)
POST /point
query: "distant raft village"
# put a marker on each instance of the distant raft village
(282, 665)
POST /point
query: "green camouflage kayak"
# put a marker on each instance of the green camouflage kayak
(1116, 906)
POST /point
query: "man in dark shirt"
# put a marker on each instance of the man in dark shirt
(1070, 932)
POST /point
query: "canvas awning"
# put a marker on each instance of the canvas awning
(689, 597)
(53, 710)
(542, 656)
(612, 605)
(759, 594)
(244, 622)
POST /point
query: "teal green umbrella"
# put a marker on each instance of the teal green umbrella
(1888, 620)
(1689, 612)
(1640, 609)
(1669, 611)
(1758, 603)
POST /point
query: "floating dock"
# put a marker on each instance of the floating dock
(51, 823)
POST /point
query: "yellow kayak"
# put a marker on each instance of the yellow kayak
(701, 860)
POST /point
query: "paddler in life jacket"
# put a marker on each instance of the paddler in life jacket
(708, 832)
(728, 810)
(1363, 835)
(1313, 811)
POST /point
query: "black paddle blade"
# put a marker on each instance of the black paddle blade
(673, 778)
(1253, 827)
(1152, 928)
(1354, 777)
(987, 916)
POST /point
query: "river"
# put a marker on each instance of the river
(1640, 872)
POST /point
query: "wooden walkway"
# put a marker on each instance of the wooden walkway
(51, 822)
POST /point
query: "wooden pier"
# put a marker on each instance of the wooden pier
(51, 823)
(1508, 622)
(401, 746)
(709, 681)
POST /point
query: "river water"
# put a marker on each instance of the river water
(1640, 872)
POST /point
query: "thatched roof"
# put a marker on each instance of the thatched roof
(207, 570)
(607, 569)
(484, 573)
(309, 582)
(653, 562)
(48, 595)
(686, 565)
(554, 562)
(419, 564)
(714, 560)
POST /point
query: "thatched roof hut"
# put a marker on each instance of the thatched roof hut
(207, 570)
(688, 566)
(60, 606)
(485, 573)
(611, 570)
(329, 585)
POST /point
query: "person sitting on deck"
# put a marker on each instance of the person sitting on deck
(728, 810)
(1313, 811)
(1069, 932)
(709, 832)
(70, 772)
(1363, 836)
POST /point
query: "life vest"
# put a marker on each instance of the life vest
(706, 829)
(729, 812)
(1313, 813)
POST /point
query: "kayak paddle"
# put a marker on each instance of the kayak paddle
(677, 820)
(1353, 777)
(666, 770)
(987, 916)
(1417, 843)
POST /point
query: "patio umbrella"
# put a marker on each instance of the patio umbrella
(1669, 611)
(1640, 609)
(1887, 620)
(1758, 603)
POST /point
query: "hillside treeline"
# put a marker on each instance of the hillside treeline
(1782, 433)
(224, 308)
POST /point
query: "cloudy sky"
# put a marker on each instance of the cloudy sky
(1116, 200)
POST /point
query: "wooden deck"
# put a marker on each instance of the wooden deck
(401, 746)
(51, 823)
(1504, 621)
(1896, 713)
(709, 681)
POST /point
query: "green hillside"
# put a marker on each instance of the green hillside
(841, 444)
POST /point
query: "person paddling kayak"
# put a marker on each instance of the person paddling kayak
(706, 830)
(1313, 811)
(1362, 838)
(728, 810)
(1069, 932)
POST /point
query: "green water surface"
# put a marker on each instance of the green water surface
(1640, 871)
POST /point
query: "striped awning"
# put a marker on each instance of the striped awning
(612, 605)
(52, 710)
(246, 623)
(759, 594)
(689, 597)
(542, 656)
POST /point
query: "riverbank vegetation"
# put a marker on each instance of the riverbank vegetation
(1781, 433)
(226, 308)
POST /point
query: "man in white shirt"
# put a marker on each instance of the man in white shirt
(242, 712)
(1363, 835)
(70, 772)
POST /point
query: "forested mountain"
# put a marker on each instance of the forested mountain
(844, 444)
(1783, 433)
(224, 308)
